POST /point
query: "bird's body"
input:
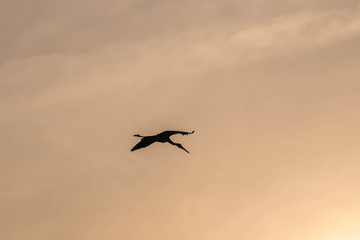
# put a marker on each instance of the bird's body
(161, 137)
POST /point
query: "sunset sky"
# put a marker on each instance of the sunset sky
(271, 88)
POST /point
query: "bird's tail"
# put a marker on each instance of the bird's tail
(137, 135)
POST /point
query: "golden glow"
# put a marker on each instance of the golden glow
(348, 232)
(271, 88)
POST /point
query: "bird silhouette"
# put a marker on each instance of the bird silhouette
(161, 137)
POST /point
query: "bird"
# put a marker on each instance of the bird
(161, 137)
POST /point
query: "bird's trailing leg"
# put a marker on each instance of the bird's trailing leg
(178, 145)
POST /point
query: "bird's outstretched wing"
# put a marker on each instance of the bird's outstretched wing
(143, 143)
(169, 133)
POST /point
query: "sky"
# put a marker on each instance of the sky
(271, 89)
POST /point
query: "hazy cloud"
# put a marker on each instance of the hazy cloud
(270, 88)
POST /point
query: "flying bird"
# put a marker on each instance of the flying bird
(161, 137)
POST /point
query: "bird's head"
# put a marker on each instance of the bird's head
(137, 135)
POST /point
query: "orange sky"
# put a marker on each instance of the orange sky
(271, 89)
